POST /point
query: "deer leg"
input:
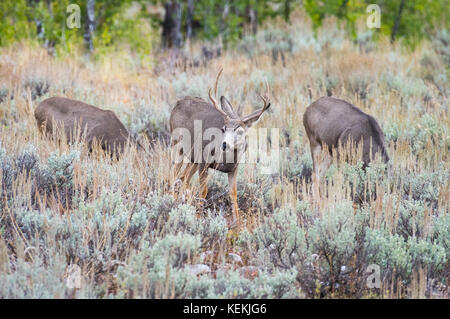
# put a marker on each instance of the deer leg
(203, 177)
(326, 161)
(183, 176)
(178, 162)
(188, 173)
(232, 183)
(316, 150)
(178, 170)
(176, 179)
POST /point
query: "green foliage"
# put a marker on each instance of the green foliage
(279, 242)
(417, 20)
(425, 186)
(318, 247)
(279, 284)
(150, 120)
(325, 249)
(442, 231)
(406, 85)
(35, 280)
(334, 236)
(60, 168)
(392, 252)
(274, 42)
(419, 134)
(345, 10)
(441, 44)
(122, 23)
(363, 180)
(157, 271)
(189, 85)
(15, 24)
(131, 238)
(127, 23)
(389, 251)
(167, 278)
(116, 25)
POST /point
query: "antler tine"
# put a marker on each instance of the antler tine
(266, 98)
(213, 100)
(217, 81)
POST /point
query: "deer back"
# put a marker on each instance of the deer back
(99, 124)
(330, 121)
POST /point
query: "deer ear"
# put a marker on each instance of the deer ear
(227, 107)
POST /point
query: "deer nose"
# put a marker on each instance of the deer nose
(224, 146)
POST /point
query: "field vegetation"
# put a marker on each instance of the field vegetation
(80, 225)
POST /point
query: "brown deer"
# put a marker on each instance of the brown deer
(78, 117)
(220, 139)
(330, 122)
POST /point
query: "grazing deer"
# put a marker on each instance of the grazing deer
(76, 116)
(329, 122)
(230, 138)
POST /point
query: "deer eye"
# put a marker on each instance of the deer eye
(223, 129)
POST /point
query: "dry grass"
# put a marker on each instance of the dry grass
(121, 84)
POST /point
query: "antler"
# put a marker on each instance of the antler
(213, 100)
(266, 100)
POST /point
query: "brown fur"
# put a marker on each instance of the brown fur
(98, 124)
(330, 122)
(190, 109)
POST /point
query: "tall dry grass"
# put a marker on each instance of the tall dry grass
(385, 81)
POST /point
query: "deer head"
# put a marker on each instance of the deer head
(235, 128)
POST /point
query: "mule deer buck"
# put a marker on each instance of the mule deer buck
(230, 138)
(98, 124)
(330, 122)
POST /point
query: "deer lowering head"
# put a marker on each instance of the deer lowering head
(77, 118)
(223, 133)
(331, 122)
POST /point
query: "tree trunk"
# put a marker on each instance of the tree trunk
(49, 8)
(189, 18)
(177, 36)
(342, 9)
(287, 10)
(223, 21)
(167, 25)
(90, 25)
(397, 21)
(252, 15)
(171, 34)
(40, 31)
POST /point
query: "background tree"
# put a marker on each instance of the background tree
(90, 25)
(410, 20)
(116, 24)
